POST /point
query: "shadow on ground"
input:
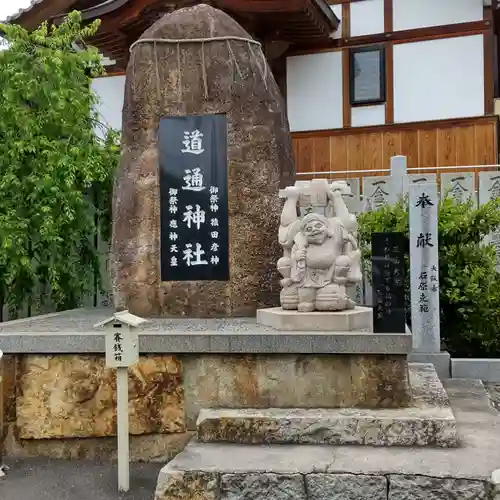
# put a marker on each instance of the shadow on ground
(44, 479)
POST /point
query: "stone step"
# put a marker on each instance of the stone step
(217, 471)
(427, 421)
(399, 427)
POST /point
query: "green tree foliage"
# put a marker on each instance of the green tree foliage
(55, 173)
(469, 284)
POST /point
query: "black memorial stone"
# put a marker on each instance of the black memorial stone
(194, 222)
(388, 282)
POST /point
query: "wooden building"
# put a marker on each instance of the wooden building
(364, 80)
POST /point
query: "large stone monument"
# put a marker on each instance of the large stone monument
(206, 148)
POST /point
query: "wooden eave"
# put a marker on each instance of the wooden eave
(297, 22)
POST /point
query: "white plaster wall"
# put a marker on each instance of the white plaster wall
(364, 116)
(439, 79)
(314, 91)
(337, 10)
(367, 17)
(110, 90)
(411, 14)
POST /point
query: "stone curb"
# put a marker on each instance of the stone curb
(487, 370)
(495, 481)
(212, 342)
(183, 485)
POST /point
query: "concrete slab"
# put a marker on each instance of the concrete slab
(359, 318)
(487, 370)
(475, 459)
(429, 421)
(72, 332)
(44, 479)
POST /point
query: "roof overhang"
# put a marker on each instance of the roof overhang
(296, 22)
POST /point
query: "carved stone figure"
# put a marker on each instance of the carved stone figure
(320, 251)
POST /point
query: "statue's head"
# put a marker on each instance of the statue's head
(315, 228)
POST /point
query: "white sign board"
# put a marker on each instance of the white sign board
(378, 191)
(458, 186)
(489, 189)
(353, 200)
(424, 268)
(418, 179)
(122, 346)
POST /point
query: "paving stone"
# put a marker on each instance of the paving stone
(262, 486)
(430, 488)
(180, 485)
(346, 487)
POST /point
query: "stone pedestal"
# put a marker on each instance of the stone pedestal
(357, 319)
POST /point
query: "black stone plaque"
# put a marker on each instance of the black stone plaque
(194, 198)
(388, 282)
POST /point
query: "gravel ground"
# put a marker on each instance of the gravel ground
(494, 392)
(44, 479)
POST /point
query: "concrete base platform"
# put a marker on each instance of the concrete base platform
(359, 318)
(429, 421)
(72, 332)
(299, 472)
(440, 360)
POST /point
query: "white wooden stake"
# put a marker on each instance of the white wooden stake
(122, 350)
(122, 429)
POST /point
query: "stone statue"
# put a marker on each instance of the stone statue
(320, 251)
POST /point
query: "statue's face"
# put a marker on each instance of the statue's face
(315, 232)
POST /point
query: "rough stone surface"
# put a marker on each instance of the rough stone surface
(74, 396)
(146, 448)
(360, 318)
(259, 162)
(428, 420)
(187, 486)
(494, 394)
(294, 381)
(473, 461)
(345, 487)
(260, 486)
(9, 390)
(430, 488)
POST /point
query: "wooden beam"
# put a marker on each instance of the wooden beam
(424, 125)
(389, 62)
(346, 20)
(337, 2)
(346, 88)
(406, 36)
(43, 11)
(489, 55)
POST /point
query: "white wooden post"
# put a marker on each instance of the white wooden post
(122, 428)
(122, 351)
